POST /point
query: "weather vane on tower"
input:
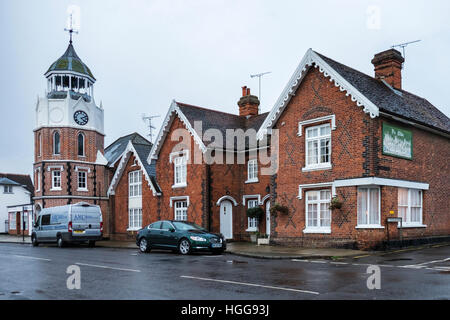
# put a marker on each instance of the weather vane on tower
(70, 29)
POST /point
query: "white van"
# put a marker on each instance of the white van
(75, 223)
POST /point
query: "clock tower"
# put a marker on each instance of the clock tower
(69, 165)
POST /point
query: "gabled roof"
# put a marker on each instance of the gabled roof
(114, 151)
(140, 147)
(367, 92)
(19, 179)
(210, 119)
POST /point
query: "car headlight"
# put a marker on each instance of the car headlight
(196, 238)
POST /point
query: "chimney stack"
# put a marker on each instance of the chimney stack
(388, 67)
(248, 104)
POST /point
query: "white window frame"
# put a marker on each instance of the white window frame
(252, 223)
(134, 219)
(180, 167)
(38, 178)
(252, 171)
(318, 138)
(318, 202)
(369, 225)
(180, 210)
(79, 174)
(135, 186)
(54, 186)
(8, 189)
(407, 223)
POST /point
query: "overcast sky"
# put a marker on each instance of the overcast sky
(146, 53)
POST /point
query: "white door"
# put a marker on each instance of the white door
(226, 219)
(268, 217)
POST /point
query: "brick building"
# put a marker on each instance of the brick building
(340, 152)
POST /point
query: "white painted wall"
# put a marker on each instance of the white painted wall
(20, 195)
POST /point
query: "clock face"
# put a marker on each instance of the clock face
(80, 117)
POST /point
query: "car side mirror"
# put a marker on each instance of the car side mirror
(171, 229)
(36, 225)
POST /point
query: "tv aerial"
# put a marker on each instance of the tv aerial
(259, 75)
(402, 46)
(151, 127)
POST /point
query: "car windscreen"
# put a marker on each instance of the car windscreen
(187, 226)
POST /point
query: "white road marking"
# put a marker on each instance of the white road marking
(423, 264)
(333, 262)
(317, 261)
(300, 260)
(250, 284)
(106, 267)
(36, 258)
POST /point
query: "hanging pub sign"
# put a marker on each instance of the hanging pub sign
(397, 142)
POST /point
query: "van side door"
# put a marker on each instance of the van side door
(45, 228)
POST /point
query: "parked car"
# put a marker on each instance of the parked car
(184, 237)
(73, 223)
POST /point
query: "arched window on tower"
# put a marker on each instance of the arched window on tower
(56, 143)
(39, 146)
(81, 144)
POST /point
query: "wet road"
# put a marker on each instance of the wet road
(40, 273)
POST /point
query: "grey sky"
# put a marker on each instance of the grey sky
(146, 53)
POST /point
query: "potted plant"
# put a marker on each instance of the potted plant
(263, 239)
(254, 236)
(335, 203)
(279, 208)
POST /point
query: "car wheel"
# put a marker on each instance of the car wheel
(184, 247)
(143, 245)
(34, 241)
(91, 244)
(60, 242)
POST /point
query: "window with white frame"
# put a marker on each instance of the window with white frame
(135, 183)
(252, 222)
(410, 206)
(56, 179)
(38, 179)
(318, 213)
(7, 189)
(180, 170)
(318, 146)
(134, 218)
(369, 207)
(252, 170)
(82, 180)
(181, 210)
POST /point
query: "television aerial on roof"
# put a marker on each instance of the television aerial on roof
(148, 121)
(403, 46)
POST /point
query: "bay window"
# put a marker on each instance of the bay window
(369, 207)
(410, 206)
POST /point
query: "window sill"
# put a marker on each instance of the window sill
(252, 181)
(370, 226)
(253, 229)
(133, 229)
(317, 230)
(175, 186)
(316, 168)
(83, 190)
(55, 189)
(412, 226)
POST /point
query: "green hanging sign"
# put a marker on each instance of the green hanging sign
(397, 142)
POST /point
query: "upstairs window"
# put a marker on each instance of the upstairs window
(252, 170)
(318, 146)
(135, 183)
(56, 143)
(180, 171)
(56, 180)
(82, 180)
(7, 189)
(81, 144)
(410, 206)
(39, 147)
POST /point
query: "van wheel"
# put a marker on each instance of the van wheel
(60, 242)
(34, 241)
(91, 244)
